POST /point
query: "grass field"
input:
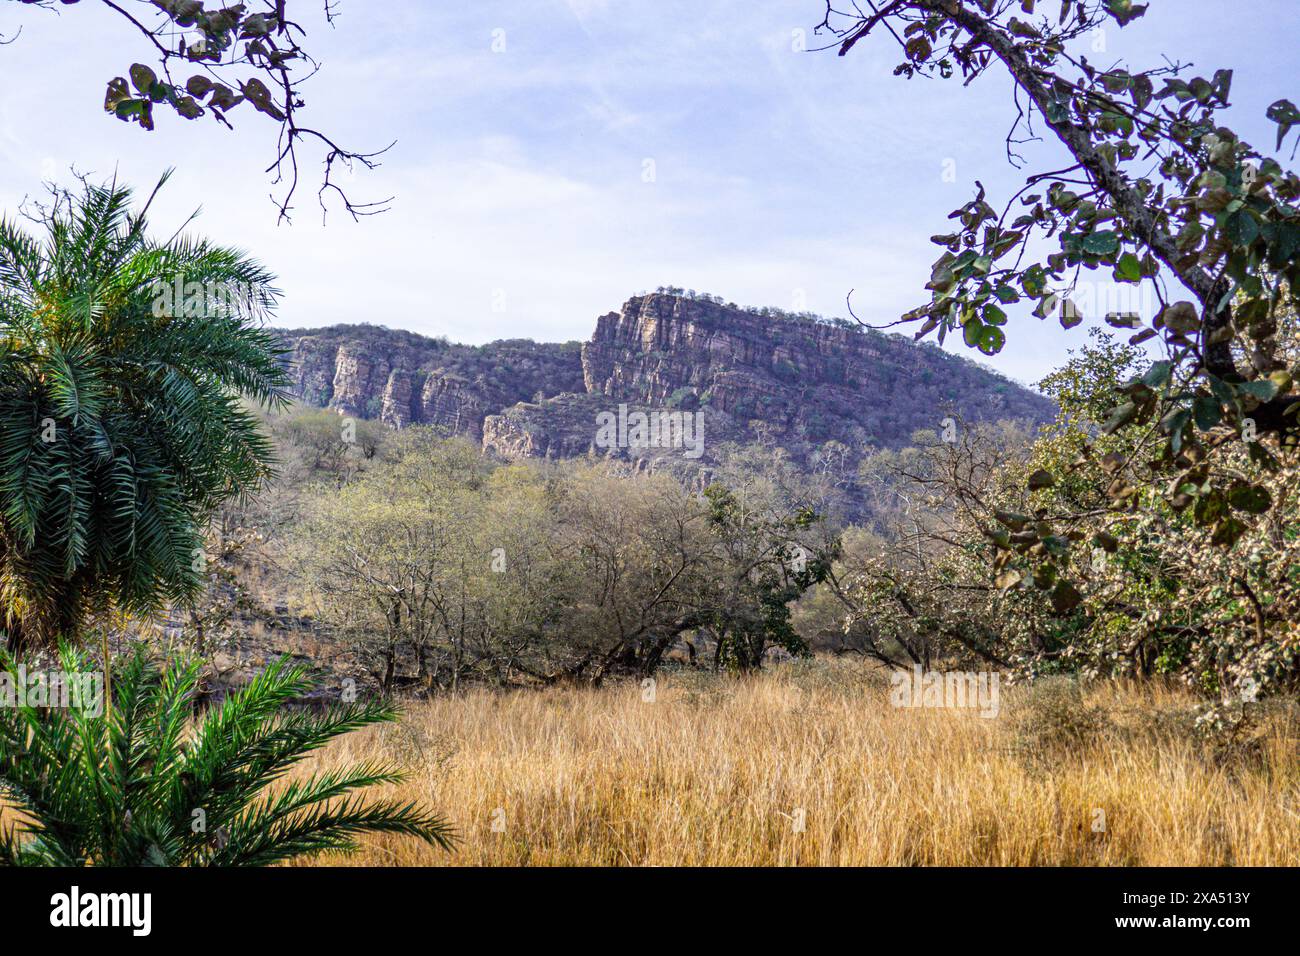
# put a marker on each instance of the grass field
(809, 764)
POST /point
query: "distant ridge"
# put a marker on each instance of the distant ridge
(792, 381)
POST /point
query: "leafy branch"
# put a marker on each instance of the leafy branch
(235, 55)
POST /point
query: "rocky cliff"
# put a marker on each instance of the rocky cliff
(738, 375)
(403, 378)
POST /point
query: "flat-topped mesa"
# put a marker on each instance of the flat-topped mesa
(825, 380)
(796, 382)
(660, 343)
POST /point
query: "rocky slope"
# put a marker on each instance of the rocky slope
(403, 378)
(796, 383)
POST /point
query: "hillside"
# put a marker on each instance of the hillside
(403, 378)
(739, 375)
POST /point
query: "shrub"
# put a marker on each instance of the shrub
(132, 783)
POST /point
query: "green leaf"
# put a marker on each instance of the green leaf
(1129, 268)
(1209, 508)
(1264, 389)
(1012, 520)
(1285, 115)
(199, 85)
(1102, 243)
(994, 315)
(1034, 281)
(1207, 411)
(1056, 544)
(1070, 314)
(991, 340)
(1107, 542)
(1125, 11)
(257, 93)
(188, 107)
(1181, 317)
(1251, 499)
(1157, 376)
(128, 108)
(1173, 424)
(919, 48)
(1120, 417)
(1065, 597)
(1056, 111)
(1042, 478)
(1021, 29)
(142, 78)
(1241, 229)
(1222, 390)
(117, 93)
(1228, 531)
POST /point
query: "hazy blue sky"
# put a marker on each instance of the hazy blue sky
(781, 177)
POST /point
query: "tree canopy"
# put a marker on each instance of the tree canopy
(124, 365)
(1158, 192)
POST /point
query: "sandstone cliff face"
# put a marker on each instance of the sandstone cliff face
(809, 388)
(560, 427)
(802, 380)
(404, 379)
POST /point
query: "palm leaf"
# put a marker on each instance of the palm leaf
(134, 789)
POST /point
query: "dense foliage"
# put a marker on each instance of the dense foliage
(440, 566)
(132, 784)
(124, 362)
(1144, 591)
(1157, 193)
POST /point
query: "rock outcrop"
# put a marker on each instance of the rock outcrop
(405, 379)
(795, 383)
(813, 388)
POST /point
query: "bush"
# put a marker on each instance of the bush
(124, 784)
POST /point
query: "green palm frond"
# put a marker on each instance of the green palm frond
(122, 416)
(143, 783)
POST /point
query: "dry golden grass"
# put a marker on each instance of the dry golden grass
(716, 770)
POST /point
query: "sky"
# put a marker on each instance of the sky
(554, 157)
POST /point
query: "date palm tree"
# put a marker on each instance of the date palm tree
(139, 784)
(125, 368)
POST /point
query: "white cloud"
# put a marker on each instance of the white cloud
(523, 171)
